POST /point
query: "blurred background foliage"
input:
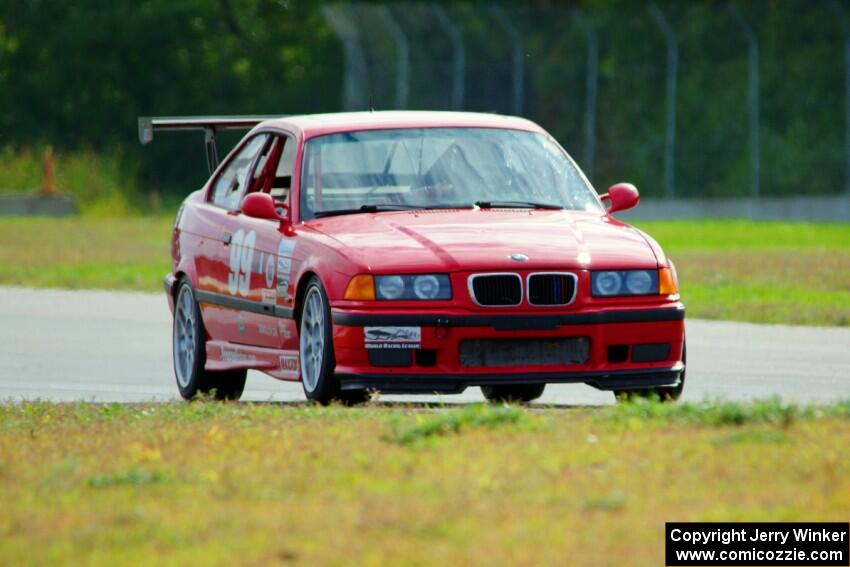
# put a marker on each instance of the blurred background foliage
(77, 75)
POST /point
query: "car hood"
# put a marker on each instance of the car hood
(470, 240)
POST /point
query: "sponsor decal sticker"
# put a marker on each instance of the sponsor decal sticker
(284, 330)
(267, 330)
(269, 296)
(284, 266)
(229, 354)
(289, 363)
(392, 337)
(283, 289)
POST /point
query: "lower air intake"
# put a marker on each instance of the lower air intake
(524, 352)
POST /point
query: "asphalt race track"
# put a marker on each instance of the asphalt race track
(116, 347)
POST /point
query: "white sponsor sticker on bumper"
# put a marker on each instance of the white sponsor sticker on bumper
(392, 337)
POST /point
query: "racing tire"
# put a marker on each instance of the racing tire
(508, 393)
(189, 353)
(662, 394)
(316, 351)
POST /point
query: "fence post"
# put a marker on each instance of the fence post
(753, 51)
(356, 70)
(590, 86)
(517, 71)
(458, 55)
(845, 32)
(671, 78)
(402, 73)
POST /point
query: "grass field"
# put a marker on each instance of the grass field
(223, 484)
(128, 253)
(753, 271)
(766, 272)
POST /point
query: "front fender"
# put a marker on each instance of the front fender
(184, 269)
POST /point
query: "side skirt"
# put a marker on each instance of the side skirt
(280, 364)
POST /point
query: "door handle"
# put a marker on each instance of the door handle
(226, 238)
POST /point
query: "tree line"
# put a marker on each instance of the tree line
(77, 75)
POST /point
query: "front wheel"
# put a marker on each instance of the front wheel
(316, 351)
(521, 393)
(190, 354)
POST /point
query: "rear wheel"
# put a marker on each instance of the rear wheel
(189, 353)
(513, 392)
(662, 394)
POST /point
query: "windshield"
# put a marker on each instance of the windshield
(425, 168)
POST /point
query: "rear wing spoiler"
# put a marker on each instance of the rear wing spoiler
(208, 124)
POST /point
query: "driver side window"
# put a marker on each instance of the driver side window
(230, 185)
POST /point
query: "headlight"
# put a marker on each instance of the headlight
(626, 282)
(639, 282)
(390, 287)
(607, 283)
(425, 287)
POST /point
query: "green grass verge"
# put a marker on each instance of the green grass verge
(764, 272)
(713, 235)
(127, 253)
(223, 484)
(752, 271)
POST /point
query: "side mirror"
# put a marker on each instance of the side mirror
(622, 196)
(260, 206)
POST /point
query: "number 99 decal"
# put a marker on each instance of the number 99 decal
(241, 259)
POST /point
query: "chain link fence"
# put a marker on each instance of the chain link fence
(703, 101)
(687, 100)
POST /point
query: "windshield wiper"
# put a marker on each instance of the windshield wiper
(364, 209)
(385, 208)
(516, 205)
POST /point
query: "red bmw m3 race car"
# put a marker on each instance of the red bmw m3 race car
(413, 252)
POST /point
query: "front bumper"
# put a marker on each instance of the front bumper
(612, 331)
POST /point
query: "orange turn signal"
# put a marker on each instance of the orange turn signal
(361, 288)
(666, 282)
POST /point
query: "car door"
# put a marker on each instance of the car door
(272, 256)
(257, 260)
(229, 278)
